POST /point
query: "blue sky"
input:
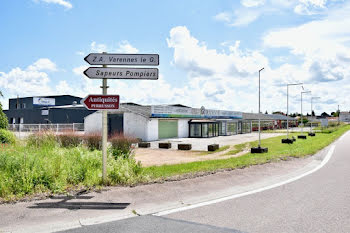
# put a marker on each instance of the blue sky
(210, 51)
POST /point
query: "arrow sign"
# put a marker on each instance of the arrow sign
(122, 59)
(122, 73)
(101, 102)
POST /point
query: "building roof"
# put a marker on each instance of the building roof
(44, 96)
(266, 117)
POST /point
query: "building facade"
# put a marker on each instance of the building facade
(156, 122)
(46, 110)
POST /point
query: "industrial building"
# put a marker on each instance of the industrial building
(154, 122)
(46, 110)
(146, 122)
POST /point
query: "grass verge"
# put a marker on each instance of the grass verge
(277, 151)
(223, 148)
(238, 148)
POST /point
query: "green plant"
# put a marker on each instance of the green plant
(7, 136)
(69, 139)
(3, 118)
(124, 171)
(93, 141)
(42, 139)
(121, 145)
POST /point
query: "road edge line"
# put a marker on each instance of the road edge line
(218, 200)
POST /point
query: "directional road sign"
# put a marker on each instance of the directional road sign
(101, 102)
(122, 59)
(121, 73)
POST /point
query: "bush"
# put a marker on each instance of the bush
(69, 139)
(42, 139)
(3, 119)
(121, 145)
(93, 141)
(7, 136)
(124, 171)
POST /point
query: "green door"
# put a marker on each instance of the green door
(167, 129)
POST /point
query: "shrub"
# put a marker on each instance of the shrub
(42, 139)
(121, 145)
(124, 171)
(93, 141)
(7, 136)
(69, 139)
(3, 119)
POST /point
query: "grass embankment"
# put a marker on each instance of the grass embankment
(277, 151)
(223, 148)
(44, 166)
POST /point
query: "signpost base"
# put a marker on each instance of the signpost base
(260, 150)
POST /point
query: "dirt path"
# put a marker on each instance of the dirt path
(150, 157)
(156, 157)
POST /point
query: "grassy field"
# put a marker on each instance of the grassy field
(277, 151)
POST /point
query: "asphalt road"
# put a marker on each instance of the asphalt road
(319, 202)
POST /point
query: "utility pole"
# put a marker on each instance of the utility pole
(259, 149)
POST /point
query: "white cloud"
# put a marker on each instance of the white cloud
(126, 47)
(224, 17)
(43, 64)
(239, 18)
(63, 3)
(98, 48)
(29, 81)
(123, 47)
(252, 3)
(324, 46)
(312, 7)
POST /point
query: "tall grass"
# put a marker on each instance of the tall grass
(42, 165)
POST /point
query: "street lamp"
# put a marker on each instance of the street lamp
(287, 140)
(259, 149)
(311, 133)
(301, 114)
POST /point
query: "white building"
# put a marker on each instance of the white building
(155, 122)
(344, 116)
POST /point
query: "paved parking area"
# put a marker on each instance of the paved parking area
(201, 144)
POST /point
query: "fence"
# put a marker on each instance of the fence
(45, 127)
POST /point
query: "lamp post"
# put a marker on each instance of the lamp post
(312, 98)
(301, 113)
(259, 149)
(289, 141)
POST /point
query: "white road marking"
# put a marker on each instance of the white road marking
(324, 162)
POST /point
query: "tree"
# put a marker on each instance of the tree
(313, 113)
(3, 117)
(324, 114)
(266, 112)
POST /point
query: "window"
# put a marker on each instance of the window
(231, 128)
(24, 105)
(204, 130)
(195, 130)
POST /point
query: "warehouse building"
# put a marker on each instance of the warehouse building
(46, 110)
(156, 122)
